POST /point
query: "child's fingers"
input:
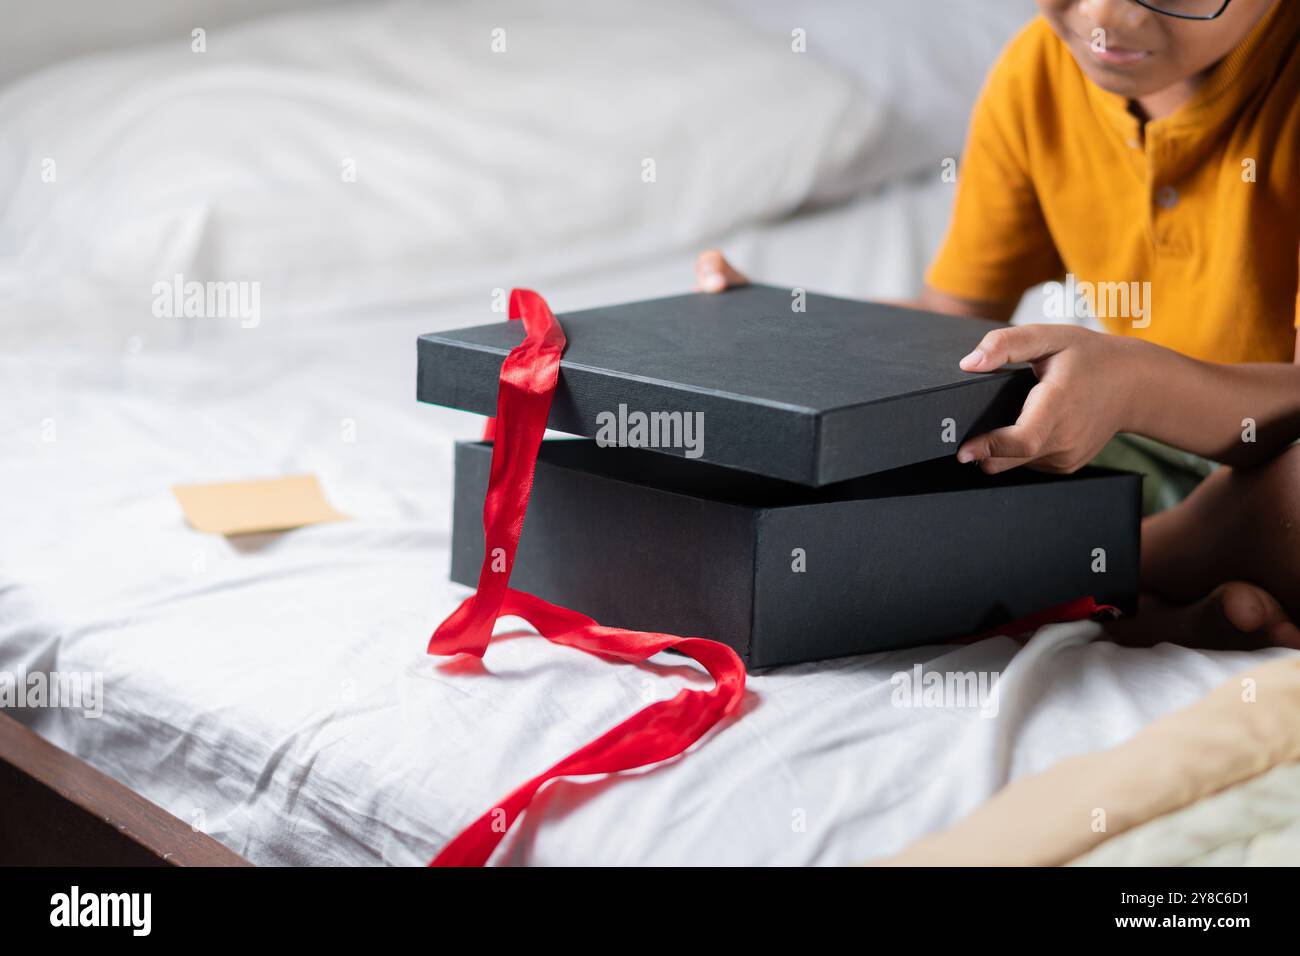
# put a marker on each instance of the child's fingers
(1015, 441)
(713, 273)
(995, 466)
(1026, 440)
(1020, 343)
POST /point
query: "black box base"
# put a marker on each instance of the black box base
(785, 573)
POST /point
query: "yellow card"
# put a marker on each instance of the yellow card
(244, 507)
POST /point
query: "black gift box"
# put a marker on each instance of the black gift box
(835, 391)
(841, 523)
(786, 573)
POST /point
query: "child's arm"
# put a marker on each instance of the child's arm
(1093, 385)
(937, 301)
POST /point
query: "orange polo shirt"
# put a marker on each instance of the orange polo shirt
(1059, 181)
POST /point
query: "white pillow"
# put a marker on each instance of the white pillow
(47, 33)
(922, 61)
(596, 131)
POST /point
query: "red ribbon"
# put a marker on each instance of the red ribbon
(1080, 609)
(528, 377)
(660, 731)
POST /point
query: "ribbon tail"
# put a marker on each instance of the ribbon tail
(656, 733)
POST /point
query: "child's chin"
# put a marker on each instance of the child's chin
(1122, 82)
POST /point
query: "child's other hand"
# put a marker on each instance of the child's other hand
(713, 273)
(1085, 394)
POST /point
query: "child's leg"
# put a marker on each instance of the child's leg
(1223, 567)
(1238, 525)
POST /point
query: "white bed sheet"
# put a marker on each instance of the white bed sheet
(274, 690)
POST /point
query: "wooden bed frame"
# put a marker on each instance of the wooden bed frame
(57, 810)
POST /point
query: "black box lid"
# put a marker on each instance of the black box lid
(841, 389)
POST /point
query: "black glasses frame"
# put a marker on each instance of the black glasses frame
(1154, 8)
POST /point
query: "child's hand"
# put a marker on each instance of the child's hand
(1085, 394)
(713, 273)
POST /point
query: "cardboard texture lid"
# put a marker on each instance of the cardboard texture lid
(838, 390)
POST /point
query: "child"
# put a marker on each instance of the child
(1151, 149)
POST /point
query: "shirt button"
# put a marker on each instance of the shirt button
(1167, 197)
(1134, 144)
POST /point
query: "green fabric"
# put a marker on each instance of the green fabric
(1169, 475)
